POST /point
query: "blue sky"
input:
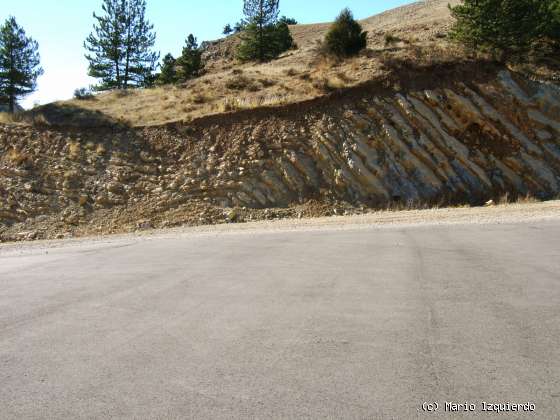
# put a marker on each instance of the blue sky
(60, 27)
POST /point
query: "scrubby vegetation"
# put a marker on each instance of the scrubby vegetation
(264, 37)
(506, 28)
(83, 94)
(190, 63)
(345, 37)
(168, 74)
(391, 39)
(288, 21)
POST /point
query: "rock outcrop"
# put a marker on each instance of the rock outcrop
(428, 142)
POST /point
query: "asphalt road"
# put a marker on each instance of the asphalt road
(364, 323)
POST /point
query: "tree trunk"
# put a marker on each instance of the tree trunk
(126, 70)
(12, 103)
(128, 47)
(11, 86)
(127, 65)
(261, 40)
(261, 46)
(118, 71)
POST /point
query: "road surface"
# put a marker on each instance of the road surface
(356, 323)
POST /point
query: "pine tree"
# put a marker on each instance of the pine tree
(503, 27)
(282, 38)
(119, 48)
(19, 63)
(240, 26)
(105, 45)
(190, 62)
(261, 15)
(140, 61)
(168, 74)
(345, 37)
(264, 37)
(553, 26)
(287, 20)
(227, 29)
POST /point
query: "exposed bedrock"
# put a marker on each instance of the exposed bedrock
(463, 142)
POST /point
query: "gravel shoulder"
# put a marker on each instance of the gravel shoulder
(500, 214)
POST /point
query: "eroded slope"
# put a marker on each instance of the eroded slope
(448, 135)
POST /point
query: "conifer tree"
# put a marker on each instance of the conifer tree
(19, 63)
(282, 38)
(190, 62)
(287, 20)
(261, 15)
(504, 27)
(264, 37)
(553, 27)
(168, 74)
(240, 26)
(345, 37)
(227, 29)
(120, 46)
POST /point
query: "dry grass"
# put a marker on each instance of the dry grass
(74, 150)
(199, 98)
(291, 72)
(100, 149)
(518, 199)
(240, 83)
(505, 200)
(231, 104)
(18, 157)
(248, 87)
(8, 118)
(391, 39)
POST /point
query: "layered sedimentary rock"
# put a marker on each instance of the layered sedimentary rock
(464, 141)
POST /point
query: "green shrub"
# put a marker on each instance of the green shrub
(190, 63)
(504, 27)
(168, 74)
(264, 44)
(227, 29)
(264, 36)
(287, 20)
(345, 37)
(391, 39)
(83, 94)
(240, 83)
(282, 38)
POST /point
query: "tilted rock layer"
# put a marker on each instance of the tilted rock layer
(423, 142)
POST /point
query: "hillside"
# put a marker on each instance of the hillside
(407, 128)
(298, 75)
